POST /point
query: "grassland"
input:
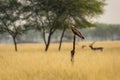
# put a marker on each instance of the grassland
(32, 63)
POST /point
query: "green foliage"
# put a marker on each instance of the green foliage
(56, 13)
(59, 12)
(10, 13)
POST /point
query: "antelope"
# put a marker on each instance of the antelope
(95, 48)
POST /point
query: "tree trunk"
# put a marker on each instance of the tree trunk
(15, 44)
(74, 42)
(61, 39)
(44, 39)
(73, 50)
(48, 42)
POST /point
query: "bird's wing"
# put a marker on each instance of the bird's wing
(78, 33)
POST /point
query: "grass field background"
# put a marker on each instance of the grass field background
(31, 62)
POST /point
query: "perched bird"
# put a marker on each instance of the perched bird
(76, 32)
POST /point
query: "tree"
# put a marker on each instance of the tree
(46, 20)
(10, 19)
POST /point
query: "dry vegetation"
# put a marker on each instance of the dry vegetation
(32, 63)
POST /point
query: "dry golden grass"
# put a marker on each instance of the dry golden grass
(32, 63)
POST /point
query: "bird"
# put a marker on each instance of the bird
(76, 32)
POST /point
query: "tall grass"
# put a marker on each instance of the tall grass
(31, 62)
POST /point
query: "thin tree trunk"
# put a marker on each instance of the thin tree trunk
(15, 44)
(48, 43)
(73, 50)
(74, 42)
(61, 39)
(44, 39)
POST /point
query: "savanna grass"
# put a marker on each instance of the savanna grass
(31, 62)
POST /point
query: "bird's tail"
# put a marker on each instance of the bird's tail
(81, 36)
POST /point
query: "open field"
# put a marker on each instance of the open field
(32, 63)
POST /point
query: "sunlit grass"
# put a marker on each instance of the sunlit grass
(31, 62)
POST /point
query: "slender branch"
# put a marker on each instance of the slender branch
(6, 27)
